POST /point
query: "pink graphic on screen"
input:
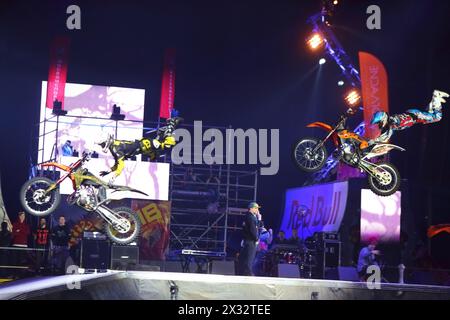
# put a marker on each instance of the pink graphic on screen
(380, 217)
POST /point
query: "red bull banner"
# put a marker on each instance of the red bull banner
(168, 85)
(374, 85)
(318, 208)
(57, 74)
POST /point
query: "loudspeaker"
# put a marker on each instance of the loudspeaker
(327, 256)
(223, 267)
(288, 270)
(95, 254)
(332, 252)
(124, 257)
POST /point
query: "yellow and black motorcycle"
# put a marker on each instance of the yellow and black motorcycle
(40, 197)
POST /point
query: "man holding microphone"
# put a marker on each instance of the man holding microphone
(250, 233)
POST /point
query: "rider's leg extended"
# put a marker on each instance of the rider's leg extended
(434, 113)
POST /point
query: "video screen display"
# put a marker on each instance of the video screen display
(89, 109)
(380, 217)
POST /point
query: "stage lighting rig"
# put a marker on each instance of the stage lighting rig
(322, 61)
(353, 98)
(116, 114)
(329, 7)
(57, 109)
(315, 41)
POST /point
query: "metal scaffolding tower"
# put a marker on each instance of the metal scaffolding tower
(208, 202)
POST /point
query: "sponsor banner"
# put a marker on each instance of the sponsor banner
(154, 216)
(319, 208)
(374, 84)
(155, 233)
(168, 85)
(57, 74)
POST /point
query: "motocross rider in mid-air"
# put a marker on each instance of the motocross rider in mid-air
(123, 150)
(388, 124)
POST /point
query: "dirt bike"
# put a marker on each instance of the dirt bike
(40, 197)
(310, 155)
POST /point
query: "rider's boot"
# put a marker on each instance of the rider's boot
(437, 101)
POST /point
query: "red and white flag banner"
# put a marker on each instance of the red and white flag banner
(57, 74)
(374, 84)
(168, 85)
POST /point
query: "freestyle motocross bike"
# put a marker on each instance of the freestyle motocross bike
(310, 155)
(40, 197)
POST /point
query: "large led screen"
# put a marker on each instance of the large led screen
(89, 109)
(380, 217)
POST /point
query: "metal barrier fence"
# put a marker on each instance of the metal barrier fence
(15, 260)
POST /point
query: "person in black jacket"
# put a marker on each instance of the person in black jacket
(60, 236)
(5, 241)
(250, 234)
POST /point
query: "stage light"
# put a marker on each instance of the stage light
(353, 98)
(322, 61)
(57, 109)
(335, 2)
(116, 114)
(340, 83)
(315, 41)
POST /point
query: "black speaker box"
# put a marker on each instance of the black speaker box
(95, 254)
(124, 257)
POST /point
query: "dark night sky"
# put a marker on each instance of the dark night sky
(239, 63)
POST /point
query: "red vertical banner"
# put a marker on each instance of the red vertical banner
(168, 85)
(57, 74)
(374, 84)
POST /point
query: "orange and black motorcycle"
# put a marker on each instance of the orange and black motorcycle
(40, 197)
(310, 155)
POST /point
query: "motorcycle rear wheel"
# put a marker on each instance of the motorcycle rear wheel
(34, 200)
(382, 189)
(126, 237)
(305, 159)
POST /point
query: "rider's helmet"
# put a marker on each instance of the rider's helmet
(381, 118)
(105, 140)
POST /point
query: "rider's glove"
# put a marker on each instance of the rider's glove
(104, 173)
(156, 143)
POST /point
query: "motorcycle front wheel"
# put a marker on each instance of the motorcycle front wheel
(35, 200)
(124, 236)
(305, 158)
(385, 184)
